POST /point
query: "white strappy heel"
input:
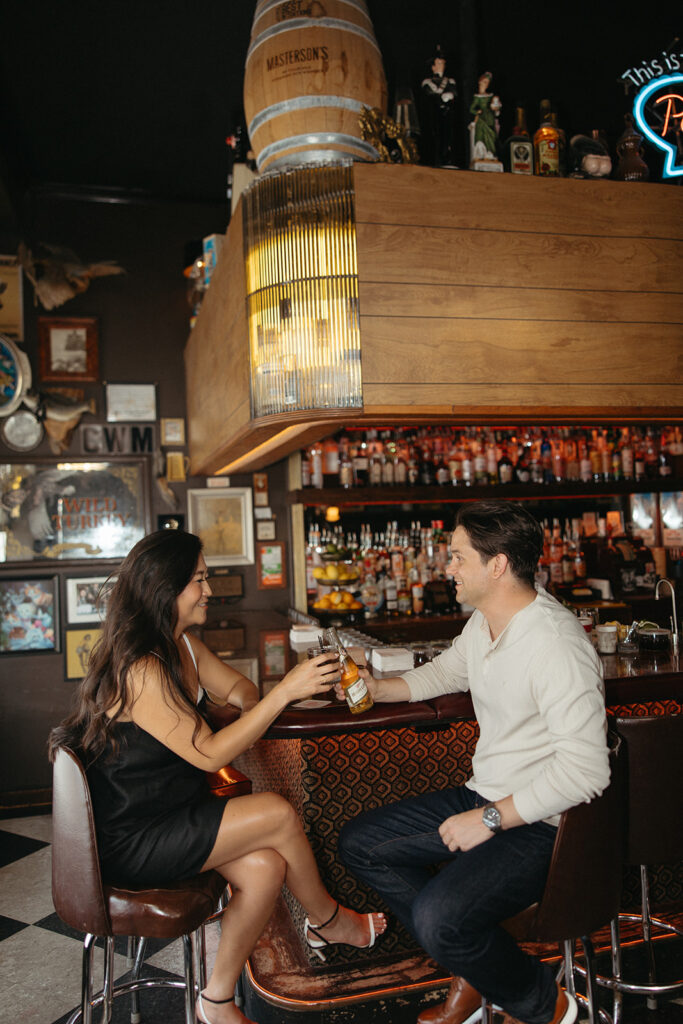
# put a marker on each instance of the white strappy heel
(319, 942)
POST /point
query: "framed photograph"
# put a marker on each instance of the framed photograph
(86, 598)
(72, 511)
(643, 510)
(247, 666)
(131, 403)
(29, 614)
(273, 654)
(265, 529)
(172, 431)
(222, 518)
(270, 564)
(67, 348)
(79, 647)
(11, 304)
(671, 514)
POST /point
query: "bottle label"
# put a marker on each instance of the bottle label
(521, 157)
(356, 692)
(548, 156)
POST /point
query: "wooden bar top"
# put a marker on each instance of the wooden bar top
(630, 679)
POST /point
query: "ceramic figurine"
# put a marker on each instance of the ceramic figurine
(590, 157)
(440, 92)
(631, 166)
(484, 127)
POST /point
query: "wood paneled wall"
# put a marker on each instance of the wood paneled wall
(483, 297)
(488, 292)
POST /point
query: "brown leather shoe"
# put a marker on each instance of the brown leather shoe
(566, 1010)
(461, 1003)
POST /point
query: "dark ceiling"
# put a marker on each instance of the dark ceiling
(119, 96)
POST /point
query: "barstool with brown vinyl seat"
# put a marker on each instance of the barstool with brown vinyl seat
(654, 830)
(583, 887)
(85, 902)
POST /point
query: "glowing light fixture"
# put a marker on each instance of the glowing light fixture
(302, 290)
(660, 118)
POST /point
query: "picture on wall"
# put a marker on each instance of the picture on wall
(68, 348)
(11, 307)
(29, 614)
(86, 598)
(79, 647)
(222, 518)
(61, 511)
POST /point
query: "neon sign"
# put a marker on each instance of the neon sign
(658, 112)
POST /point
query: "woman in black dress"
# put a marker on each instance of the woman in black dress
(147, 749)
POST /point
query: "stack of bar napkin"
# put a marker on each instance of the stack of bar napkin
(392, 659)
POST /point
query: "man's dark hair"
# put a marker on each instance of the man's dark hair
(495, 527)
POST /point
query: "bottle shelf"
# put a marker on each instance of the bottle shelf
(447, 494)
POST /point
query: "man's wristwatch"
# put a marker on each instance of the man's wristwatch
(491, 818)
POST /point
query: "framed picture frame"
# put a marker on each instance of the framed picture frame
(29, 614)
(265, 529)
(222, 518)
(273, 653)
(671, 518)
(74, 511)
(68, 348)
(79, 646)
(130, 403)
(86, 598)
(172, 431)
(271, 568)
(12, 306)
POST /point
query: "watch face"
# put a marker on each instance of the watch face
(22, 431)
(491, 818)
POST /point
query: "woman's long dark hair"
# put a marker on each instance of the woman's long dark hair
(141, 617)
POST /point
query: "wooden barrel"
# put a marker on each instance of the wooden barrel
(311, 67)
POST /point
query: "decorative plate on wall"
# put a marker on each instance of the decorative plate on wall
(15, 375)
(22, 431)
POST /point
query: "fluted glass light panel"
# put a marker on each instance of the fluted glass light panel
(302, 290)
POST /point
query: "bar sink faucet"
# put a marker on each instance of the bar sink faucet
(673, 602)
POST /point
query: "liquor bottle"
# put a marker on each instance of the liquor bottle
(356, 692)
(400, 465)
(414, 466)
(506, 468)
(547, 145)
(345, 467)
(519, 150)
(391, 597)
(480, 474)
(405, 603)
(330, 461)
(562, 141)
(522, 468)
(626, 454)
(491, 460)
(359, 458)
(316, 455)
(427, 467)
(547, 460)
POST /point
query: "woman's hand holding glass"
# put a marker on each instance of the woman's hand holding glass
(311, 678)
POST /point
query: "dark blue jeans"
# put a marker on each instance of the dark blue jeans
(455, 914)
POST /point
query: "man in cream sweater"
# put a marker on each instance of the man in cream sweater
(536, 685)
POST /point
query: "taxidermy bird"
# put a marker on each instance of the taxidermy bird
(57, 274)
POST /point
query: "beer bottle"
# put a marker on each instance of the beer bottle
(356, 692)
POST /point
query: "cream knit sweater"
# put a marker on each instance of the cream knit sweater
(538, 696)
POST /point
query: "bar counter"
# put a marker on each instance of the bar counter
(638, 679)
(331, 765)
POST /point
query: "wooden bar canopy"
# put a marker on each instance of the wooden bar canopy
(483, 298)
